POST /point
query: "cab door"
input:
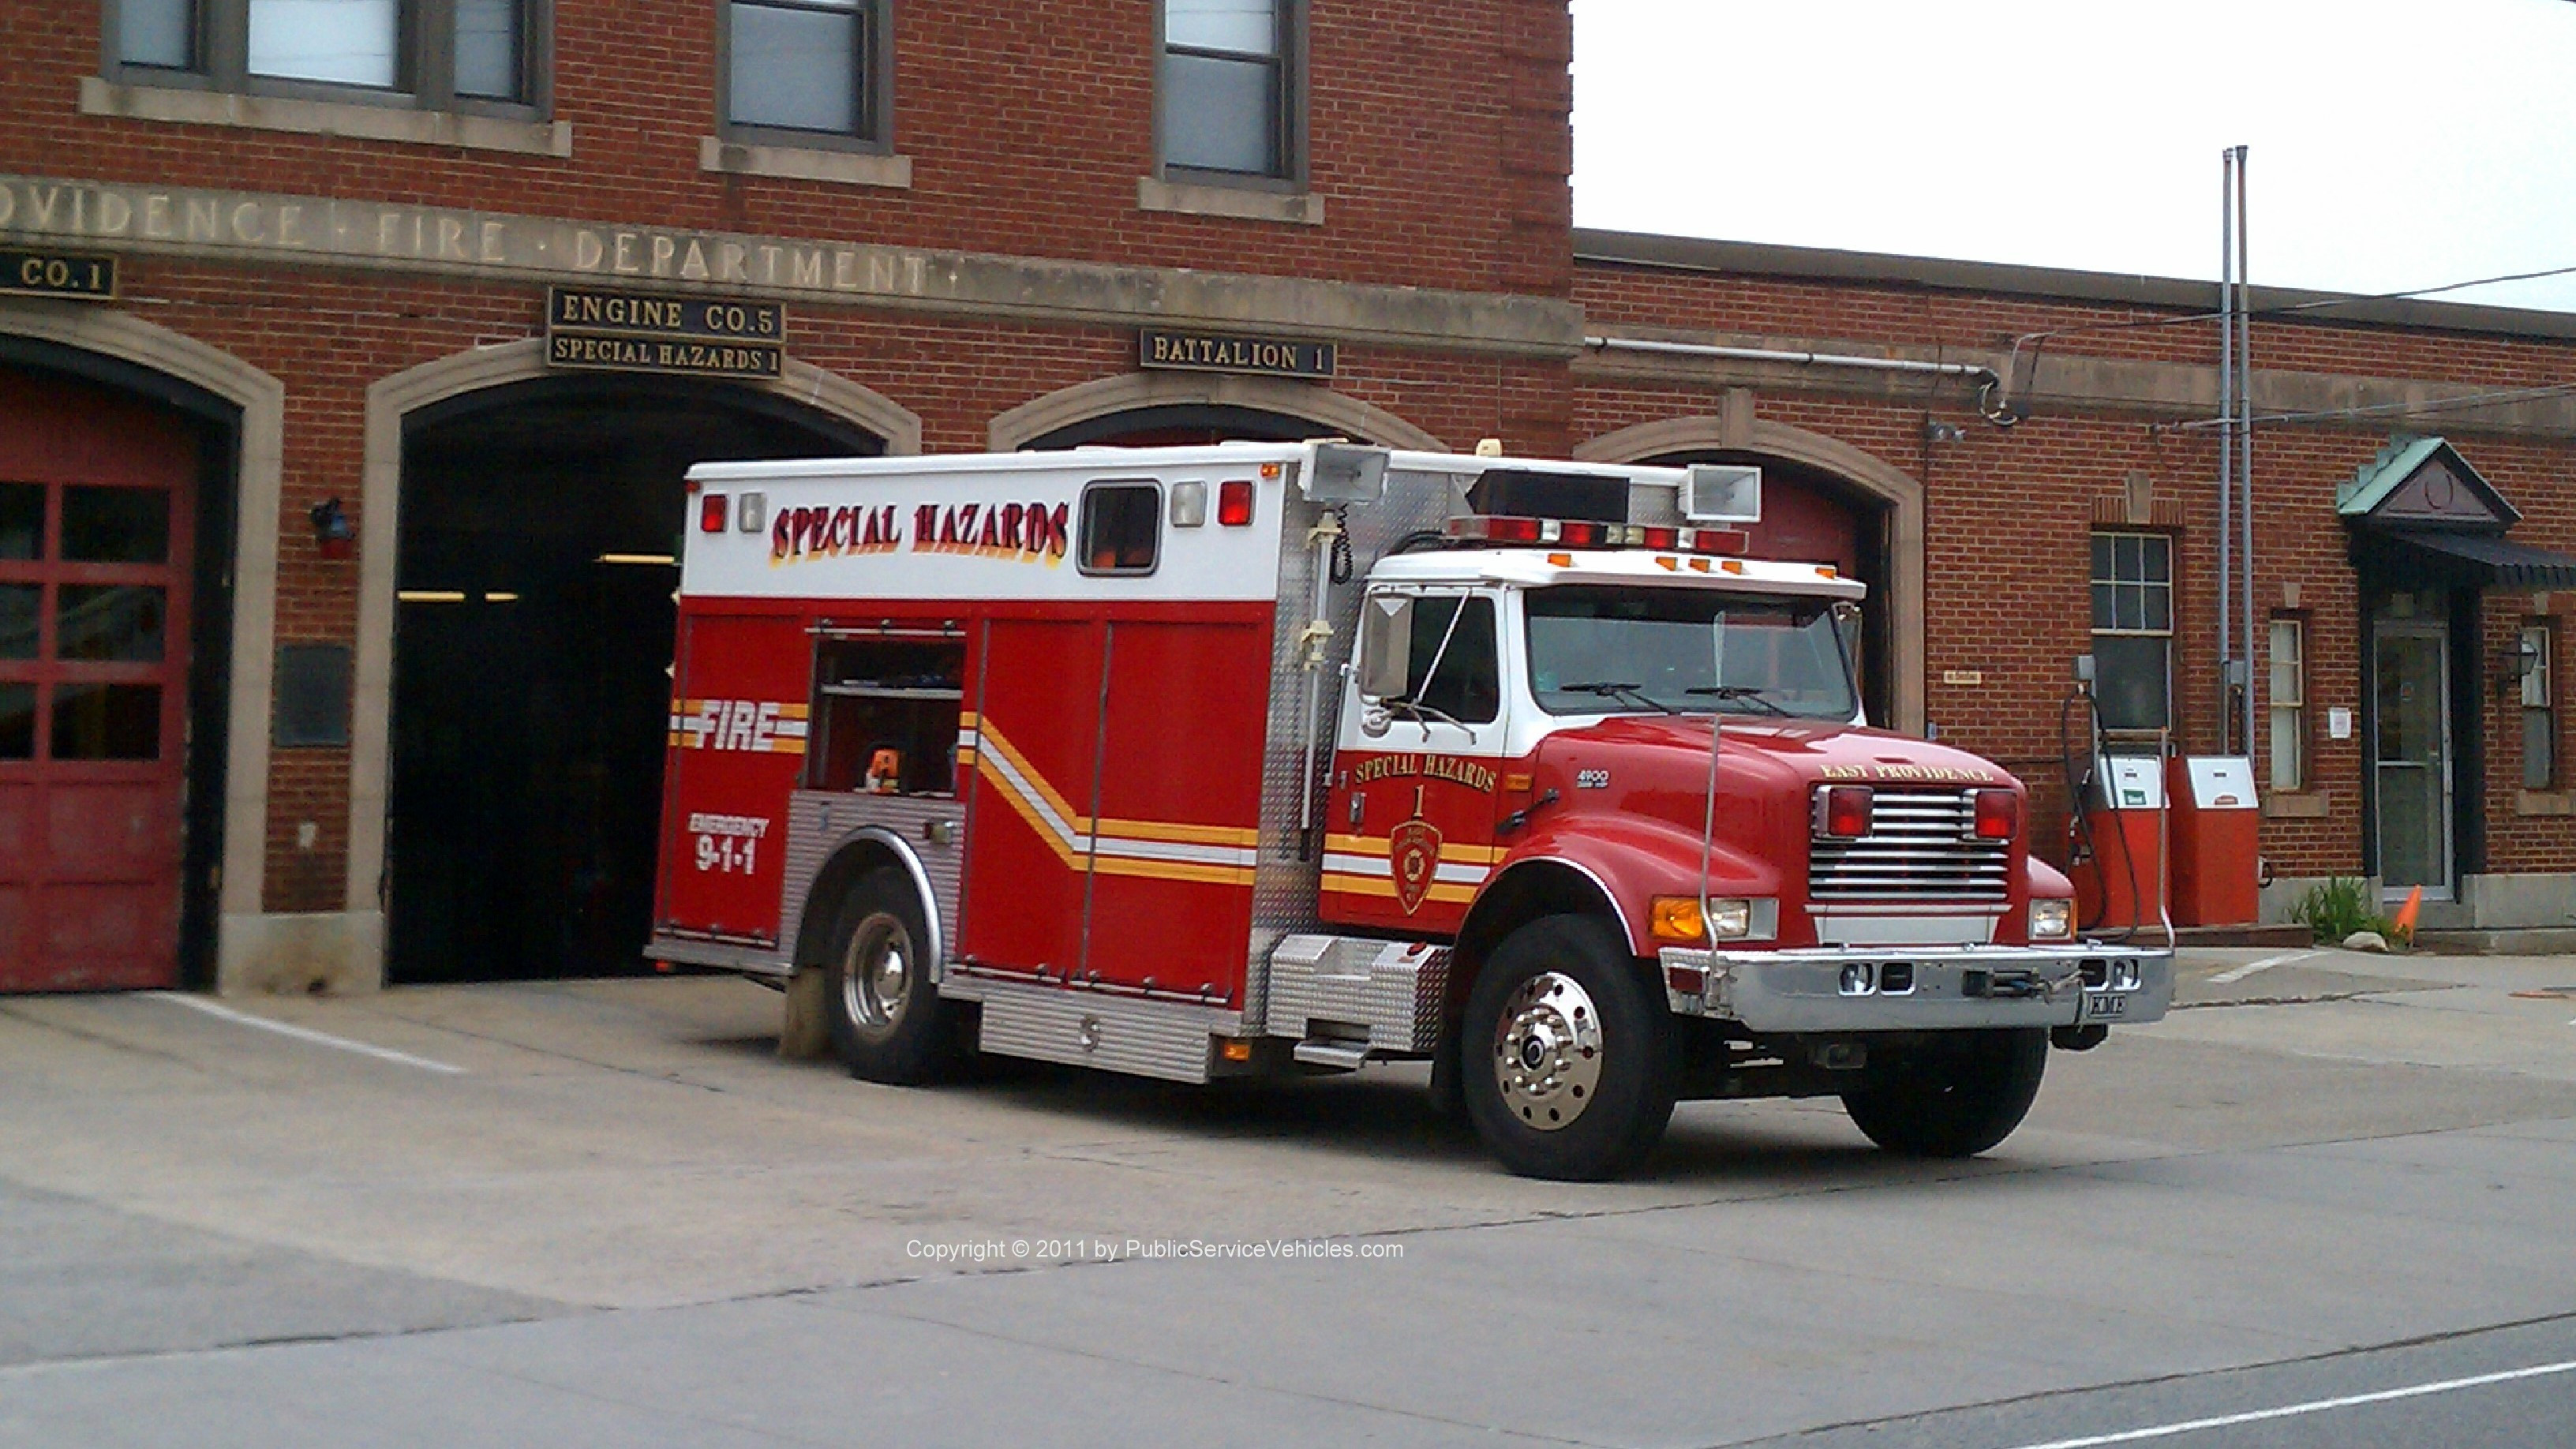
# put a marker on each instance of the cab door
(1410, 818)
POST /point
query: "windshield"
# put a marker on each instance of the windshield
(1596, 650)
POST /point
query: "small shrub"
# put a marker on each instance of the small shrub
(2337, 907)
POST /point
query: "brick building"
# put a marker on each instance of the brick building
(343, 409)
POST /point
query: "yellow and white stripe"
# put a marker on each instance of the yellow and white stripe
(1361, 865)
(1149, 849)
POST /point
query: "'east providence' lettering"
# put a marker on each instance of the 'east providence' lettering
(1221, 352)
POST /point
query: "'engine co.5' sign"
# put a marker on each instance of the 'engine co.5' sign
(649, 332)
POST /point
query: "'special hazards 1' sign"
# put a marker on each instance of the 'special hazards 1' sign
(621, 331)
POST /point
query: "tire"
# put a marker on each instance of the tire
(1566, 1060)
(1954, 1098)
(887, 1020)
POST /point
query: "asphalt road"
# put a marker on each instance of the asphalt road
(2327, 1203)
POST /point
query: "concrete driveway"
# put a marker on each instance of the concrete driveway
(604, 1212)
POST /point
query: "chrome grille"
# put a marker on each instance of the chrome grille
(1921, 844)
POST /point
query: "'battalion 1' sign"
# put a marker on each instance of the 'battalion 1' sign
(1219, 352)
(56, 274)
(642, 332)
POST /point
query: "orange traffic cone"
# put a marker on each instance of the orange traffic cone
(2404, 925)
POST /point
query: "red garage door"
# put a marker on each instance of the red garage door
(95, 543)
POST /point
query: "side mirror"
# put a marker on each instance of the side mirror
(1386, 645)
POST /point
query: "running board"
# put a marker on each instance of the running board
(1346, 1056)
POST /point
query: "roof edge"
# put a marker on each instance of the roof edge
(1700, 254)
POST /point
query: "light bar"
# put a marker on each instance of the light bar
(1580, 533)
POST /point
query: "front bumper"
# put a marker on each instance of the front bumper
(1921, 988)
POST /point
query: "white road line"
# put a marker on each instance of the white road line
(318, 1038)
(2316, 1406)
(2229, 978)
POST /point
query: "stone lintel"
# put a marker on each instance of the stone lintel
(250, 228)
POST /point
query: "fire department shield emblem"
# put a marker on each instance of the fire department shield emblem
(1413, 850)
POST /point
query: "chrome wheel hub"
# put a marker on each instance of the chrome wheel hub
(876, 975)
(1547, 1052)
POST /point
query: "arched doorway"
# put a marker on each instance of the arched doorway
(1139, 409)
(532, 638)
(1176, 426)
(114, 544)
(1811, 516)
(1820, 493)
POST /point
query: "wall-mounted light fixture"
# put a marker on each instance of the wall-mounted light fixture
(333, 533)
(2513, 664)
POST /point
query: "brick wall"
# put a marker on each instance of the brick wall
(2010, 512)
(1438, 136)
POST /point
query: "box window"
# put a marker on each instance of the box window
(1229, 91)
(885, 716)
(2289, 696)
(2537, 650)
(1121, 529)
(2133, 630)
(433, 52)
(810, 67)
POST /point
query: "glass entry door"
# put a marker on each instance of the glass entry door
(2414, 764)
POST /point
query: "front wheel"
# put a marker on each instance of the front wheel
(887, 1020)
(1953, 1098)
(1566, 1060)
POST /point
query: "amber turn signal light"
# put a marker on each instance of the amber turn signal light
(1675, 919)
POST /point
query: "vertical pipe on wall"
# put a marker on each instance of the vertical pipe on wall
(2245, 457)
(2226, 423)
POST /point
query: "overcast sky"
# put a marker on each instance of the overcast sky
(2394, 145)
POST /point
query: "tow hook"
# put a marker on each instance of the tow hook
(2078, 1038)
(2013, 985)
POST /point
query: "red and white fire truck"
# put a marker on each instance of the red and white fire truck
(1264, 758)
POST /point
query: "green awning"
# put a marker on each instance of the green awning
(2439, 557)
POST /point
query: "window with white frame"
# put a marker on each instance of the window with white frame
(812, 70)
(2289, 704)
(2538, 648)
(433, 53)
(2133, 630)
(1230, 103)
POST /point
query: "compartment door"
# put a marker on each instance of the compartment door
(1180, 802)
(1035, 731)
(737, 745)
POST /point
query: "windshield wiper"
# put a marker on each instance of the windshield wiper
(1625, 693)
(1419, 710)
(1749, 693)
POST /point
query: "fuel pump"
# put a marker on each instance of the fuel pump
(2118, 829)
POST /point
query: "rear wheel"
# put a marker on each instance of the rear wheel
(1566, 1060)
(887, 1020)
(1953, 1098)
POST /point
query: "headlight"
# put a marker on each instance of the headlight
(1680, 920)
(2052, 920)
(1729, 920)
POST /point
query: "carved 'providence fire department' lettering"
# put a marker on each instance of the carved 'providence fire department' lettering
(1438, 767)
